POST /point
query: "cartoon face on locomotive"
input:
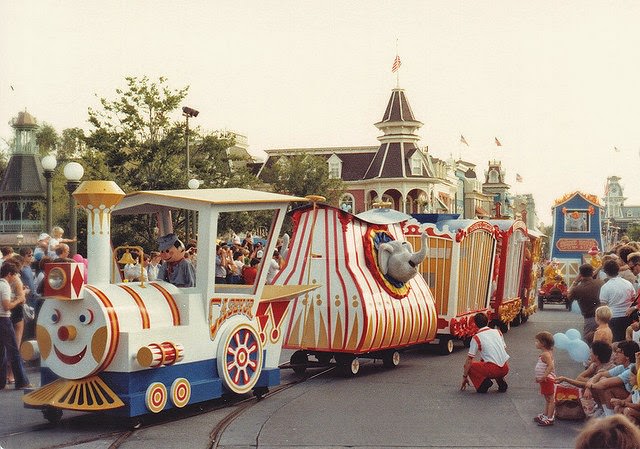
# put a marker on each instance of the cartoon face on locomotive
(132, 348)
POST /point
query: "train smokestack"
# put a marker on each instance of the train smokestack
(99, 198)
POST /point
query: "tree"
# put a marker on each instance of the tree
(47, 139)
(144, 149)
(302, 174)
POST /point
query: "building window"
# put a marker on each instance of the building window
(494, 178)
(629, 214)
(348, 203)
(416, 164)
(335, 167)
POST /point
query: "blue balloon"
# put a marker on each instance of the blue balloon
(560, 340)
(575, 307)
(579, 351)
(573, 334)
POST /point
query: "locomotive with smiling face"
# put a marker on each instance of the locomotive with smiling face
(135, 348)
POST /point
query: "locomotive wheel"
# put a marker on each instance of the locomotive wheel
(299, 361)
(540, 303)
(135, 423)
(391, 359)
(53, 415)
(349, 365)
(260, 392)
(445, 345)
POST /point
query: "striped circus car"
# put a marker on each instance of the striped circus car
(459, 269)
(357, 311)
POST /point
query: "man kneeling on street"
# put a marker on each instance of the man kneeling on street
(489, 345)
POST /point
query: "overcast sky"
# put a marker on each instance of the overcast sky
(555, 81)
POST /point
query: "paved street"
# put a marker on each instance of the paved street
(416, 404)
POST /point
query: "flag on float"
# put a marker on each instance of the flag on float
(518, 178)
(497, 142)
(463, 140)
(396, 64)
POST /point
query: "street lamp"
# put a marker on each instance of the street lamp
(73, 173)
(49, 165)
(188, 112)
(193, 184)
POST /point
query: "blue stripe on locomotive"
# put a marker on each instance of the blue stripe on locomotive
(131, 387)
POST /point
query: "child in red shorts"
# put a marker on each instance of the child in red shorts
(545, 376)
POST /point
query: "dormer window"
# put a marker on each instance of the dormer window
(416, 164)
(335, 167)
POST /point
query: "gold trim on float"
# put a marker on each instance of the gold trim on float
(90, 394)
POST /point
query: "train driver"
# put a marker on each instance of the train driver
(176, 268)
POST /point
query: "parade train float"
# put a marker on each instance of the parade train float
(577, 237)
(369, 303)
(134, 348)
(458, 268)
(506, 298)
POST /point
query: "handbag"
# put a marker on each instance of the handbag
(568, 405)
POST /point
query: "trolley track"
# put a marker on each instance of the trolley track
(119, 437)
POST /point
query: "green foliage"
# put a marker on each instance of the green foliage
(143, 149)
(302, 174)
(47, 139)
(633, 232)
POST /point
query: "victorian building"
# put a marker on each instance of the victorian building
(398, 171)
(617, 216)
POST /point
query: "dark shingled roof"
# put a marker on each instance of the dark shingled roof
(398, 109)
(23, 178)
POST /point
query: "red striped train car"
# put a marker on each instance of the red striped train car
(358, 309)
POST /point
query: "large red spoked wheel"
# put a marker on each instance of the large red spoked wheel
(240, 358)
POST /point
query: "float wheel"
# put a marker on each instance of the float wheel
(51, 414)
(348, 365)
(517, 320)
(240, 358)
(540, 303)
(260, 392)
(299, 361)
(445, 345)
(504, 327)
(391, 359)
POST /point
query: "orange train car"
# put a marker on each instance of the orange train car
(459, 269)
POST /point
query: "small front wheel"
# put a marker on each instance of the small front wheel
(349, 366)
(260, 392)
(391, 359)
(299, 361)
(53, 415)
(445, 345)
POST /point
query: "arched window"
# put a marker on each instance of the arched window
(493, 177)
(348, 203)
